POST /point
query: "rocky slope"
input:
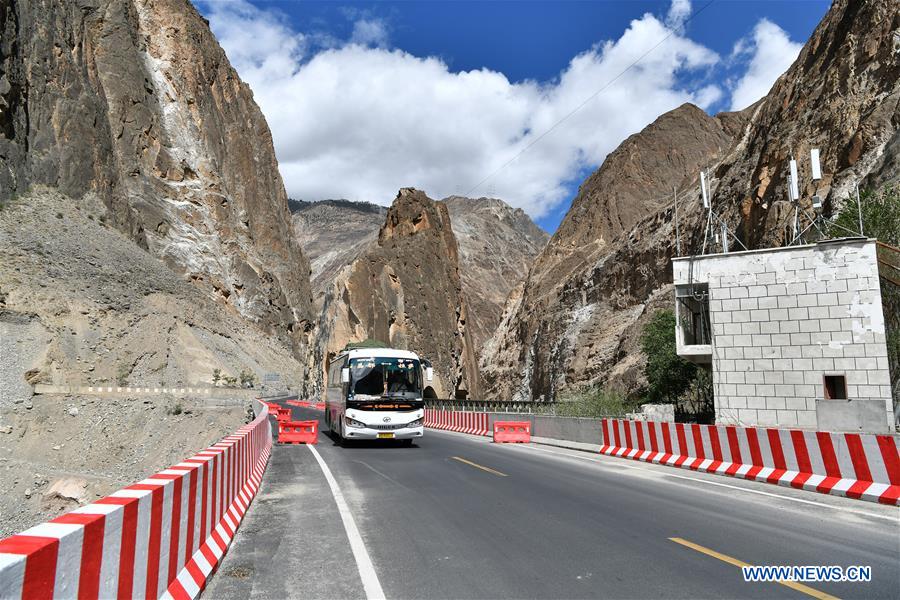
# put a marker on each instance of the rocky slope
(497, 244)
(577, 318)
(134, 101)
(333, 233)
(842, 95)
(405, 290)
(81, 305)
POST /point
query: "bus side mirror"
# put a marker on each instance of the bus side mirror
(429, 374)
(345, 375)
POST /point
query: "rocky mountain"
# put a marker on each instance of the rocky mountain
(497, 244)
(405, 290)
(135, 101)
(577, 318)
(842, 95)
(145, 242)
(333, 233)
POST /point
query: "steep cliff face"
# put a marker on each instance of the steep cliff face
(333, 233)
(135, 101)
(497, 244)
(576, 319)
(405, 290)
(842, 95)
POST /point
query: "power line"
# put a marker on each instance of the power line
(587, 100)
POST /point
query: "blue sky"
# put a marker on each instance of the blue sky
(367, 97)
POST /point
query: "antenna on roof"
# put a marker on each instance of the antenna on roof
(815, 166)
(677, 233)
(704, 189)
(815, 218)
(794, 182)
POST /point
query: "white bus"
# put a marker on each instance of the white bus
(376, 393)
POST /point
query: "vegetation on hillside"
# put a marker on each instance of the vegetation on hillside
(880, 216)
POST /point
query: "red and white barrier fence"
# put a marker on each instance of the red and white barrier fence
(160, 537)
(474, 423)
(855, 465)
(307, 404)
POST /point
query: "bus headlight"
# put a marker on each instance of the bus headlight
(417, 423)
(353, 422)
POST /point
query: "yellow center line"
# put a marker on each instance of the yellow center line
(477, 466)
(739, 563)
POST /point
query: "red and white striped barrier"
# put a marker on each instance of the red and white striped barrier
(863, 466)
(160, 537)
(307, 404)
(474, 423)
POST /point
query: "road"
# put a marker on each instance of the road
(458, 517)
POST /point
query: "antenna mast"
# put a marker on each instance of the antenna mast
(677, 232)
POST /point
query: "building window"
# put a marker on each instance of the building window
(835, 387)
(693, 313)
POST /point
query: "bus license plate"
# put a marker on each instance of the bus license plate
(385, 435)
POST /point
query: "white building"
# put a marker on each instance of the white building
(795, 336)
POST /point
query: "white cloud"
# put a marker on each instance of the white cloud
(360, 120)
(679, 11)
(769, 52)
(370, 32)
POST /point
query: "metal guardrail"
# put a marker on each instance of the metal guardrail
(492, 406)
(550, 409)
(888, 262)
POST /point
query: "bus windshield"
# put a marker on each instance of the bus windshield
(385, 378)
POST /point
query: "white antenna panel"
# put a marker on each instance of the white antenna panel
(704, 189)
(814, 161)
(794, 188)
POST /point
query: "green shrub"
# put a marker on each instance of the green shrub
(668, 375)
(592, 402)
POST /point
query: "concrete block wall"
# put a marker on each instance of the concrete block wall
(782, 319)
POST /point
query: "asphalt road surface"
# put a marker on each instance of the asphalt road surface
(458, 517)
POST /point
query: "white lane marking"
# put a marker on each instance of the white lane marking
(715, 483)
(363, 563)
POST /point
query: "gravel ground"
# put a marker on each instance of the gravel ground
(81, 304)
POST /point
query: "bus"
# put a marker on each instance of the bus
(376, 394)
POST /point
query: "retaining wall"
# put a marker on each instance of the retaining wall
(574, 429)
(160, 537)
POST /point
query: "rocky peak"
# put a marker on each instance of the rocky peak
(405, 289)
(413, 213)
(639, 175)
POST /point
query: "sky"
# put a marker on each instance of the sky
(514, 100)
